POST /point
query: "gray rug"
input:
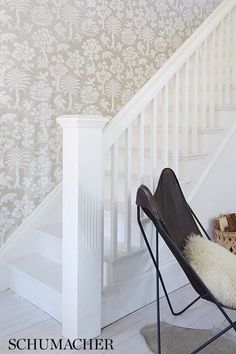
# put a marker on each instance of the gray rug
(179, 340)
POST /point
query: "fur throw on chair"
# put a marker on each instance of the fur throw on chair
(215, 265)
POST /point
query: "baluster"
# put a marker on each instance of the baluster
(165, 132)
(212, 83)
(141, 160)
(220, 79)
(176, 127)
(127, 196)
(204, 85)
(153, 143)
(195, 104)
(141, 148)
(227, 64)
(114, 199)
(234, 45)
(186, 110)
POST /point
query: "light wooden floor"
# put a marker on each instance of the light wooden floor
(20, 319)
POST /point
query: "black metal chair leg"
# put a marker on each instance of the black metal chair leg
(169, 302)
(158, 299)
(209, 341)
(231, 322)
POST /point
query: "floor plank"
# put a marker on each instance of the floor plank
(20, 319)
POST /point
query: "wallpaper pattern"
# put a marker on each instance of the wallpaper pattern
(72, 56)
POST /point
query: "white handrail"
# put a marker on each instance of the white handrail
(133, 108)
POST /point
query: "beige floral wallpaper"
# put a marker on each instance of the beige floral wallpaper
(72, 56)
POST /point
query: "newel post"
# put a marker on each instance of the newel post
(82, 225)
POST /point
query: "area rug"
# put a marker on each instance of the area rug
(179, 340)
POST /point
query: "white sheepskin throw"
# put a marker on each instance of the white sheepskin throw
(215, 265)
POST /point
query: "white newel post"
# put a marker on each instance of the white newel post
(82, 225)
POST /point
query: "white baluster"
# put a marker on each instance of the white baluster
(204, 85)
(195, 103)
(220, 79)
(227, 64)
(141, 160)
(127, 190)
(234, 45)
(176, 127)
(114, 199)
(82, 225)
(212, 82)
(141, 148)
(153, 144)
(186, 110)
(165, 128)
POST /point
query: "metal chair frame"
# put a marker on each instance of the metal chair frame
(161, 230)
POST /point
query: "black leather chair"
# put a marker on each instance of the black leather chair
(174, 220)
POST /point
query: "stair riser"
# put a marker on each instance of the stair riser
(39, 294)
(127, 267)
(135, 231)
(233, 96)
(139, 292)
(48, 246)
(134, 293)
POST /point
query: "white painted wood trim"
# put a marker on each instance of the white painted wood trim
(82, 225)
(32, 221)
(134, 107)
(21, 242)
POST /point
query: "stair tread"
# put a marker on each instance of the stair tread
(212, 130)
(41, 269)
(193, 156)
(226, 107)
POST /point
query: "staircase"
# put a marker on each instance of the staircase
(181, 118)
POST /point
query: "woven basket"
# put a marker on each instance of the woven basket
(225, 231)
(226, 239)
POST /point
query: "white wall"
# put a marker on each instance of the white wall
(217, 193)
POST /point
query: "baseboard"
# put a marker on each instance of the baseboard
(4, 276)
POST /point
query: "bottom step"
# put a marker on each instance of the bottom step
(38, 279)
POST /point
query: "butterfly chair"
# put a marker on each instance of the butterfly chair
(174, 221)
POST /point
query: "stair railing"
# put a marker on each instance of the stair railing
(157, 126)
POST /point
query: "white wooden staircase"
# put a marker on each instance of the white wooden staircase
(181, 118)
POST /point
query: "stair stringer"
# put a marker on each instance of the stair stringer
(21, 242)
(217, 185)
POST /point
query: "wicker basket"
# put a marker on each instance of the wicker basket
(225, 231)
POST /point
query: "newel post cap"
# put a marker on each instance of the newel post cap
(82, 121)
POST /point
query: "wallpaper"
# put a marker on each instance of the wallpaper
(72, 56)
